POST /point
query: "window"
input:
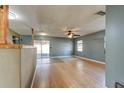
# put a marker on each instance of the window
(80, 45)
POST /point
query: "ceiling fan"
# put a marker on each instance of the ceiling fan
(71, 32)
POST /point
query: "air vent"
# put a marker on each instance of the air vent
(100, 13)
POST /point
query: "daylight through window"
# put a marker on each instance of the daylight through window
(80, 45)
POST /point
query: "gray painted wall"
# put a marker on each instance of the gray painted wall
(26, 40)
(115, 45)
(93, 46)
(60, 46)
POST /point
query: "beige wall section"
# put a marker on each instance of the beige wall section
(28, 64)
(17, 67)
(9, 68)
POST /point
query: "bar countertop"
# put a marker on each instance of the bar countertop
(15, 46)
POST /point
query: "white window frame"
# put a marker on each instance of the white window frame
(80, 45)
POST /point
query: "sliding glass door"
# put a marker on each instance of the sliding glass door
(43, 48)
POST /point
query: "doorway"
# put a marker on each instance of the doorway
(43, 48)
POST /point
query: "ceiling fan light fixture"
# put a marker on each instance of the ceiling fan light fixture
(70, 36)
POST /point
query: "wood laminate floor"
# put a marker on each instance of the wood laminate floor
(69, 73)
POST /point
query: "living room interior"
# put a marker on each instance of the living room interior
(61, 46)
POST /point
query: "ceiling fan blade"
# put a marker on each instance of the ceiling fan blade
(76, 35)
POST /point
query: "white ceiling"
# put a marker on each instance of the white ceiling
(51, 19)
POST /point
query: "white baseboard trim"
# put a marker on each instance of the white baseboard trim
(92, 60)
(60, 56)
